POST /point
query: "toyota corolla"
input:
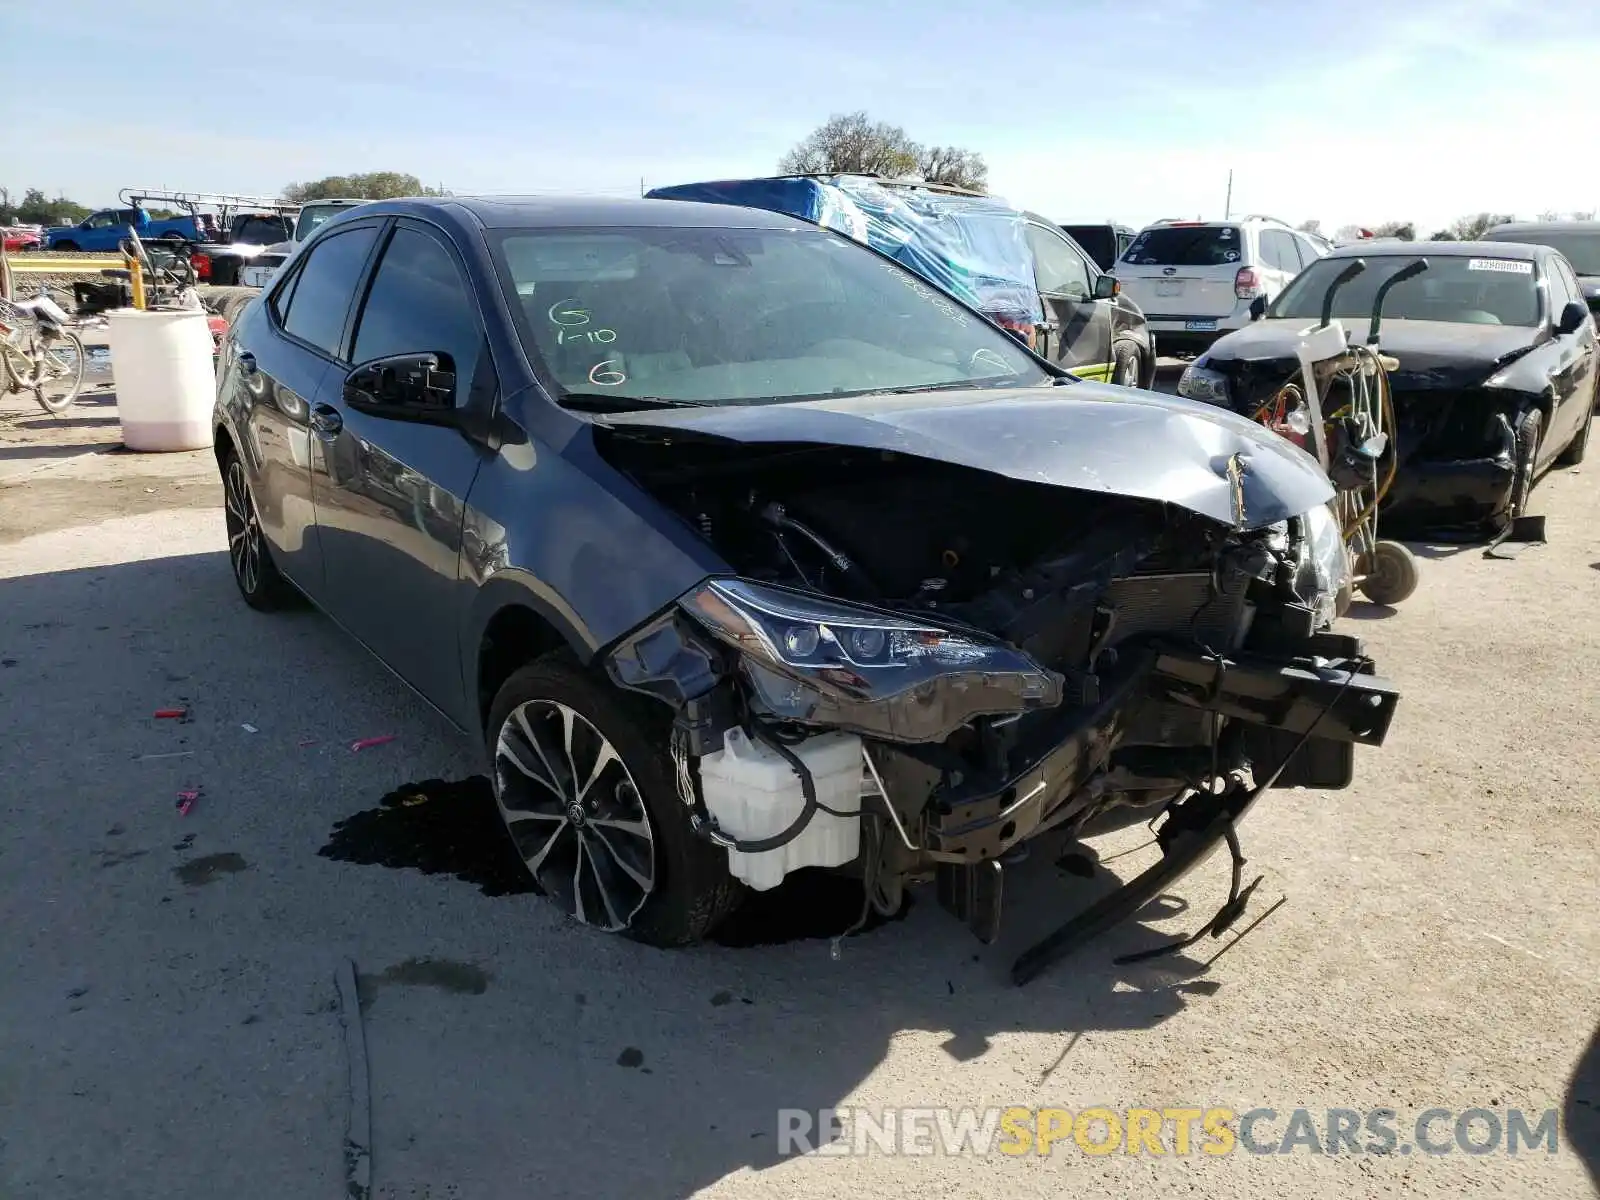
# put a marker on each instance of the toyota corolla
(740, 549)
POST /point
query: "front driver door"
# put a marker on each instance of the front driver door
(391, 494)
(1077, 329)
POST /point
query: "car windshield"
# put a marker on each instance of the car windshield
(1186, 246)
(314, 216)
(1455, 288)
(1580, 247)
(740, 316)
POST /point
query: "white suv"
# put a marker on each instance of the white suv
(1195, 280)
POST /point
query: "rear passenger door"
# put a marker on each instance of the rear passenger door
(390, 492)
(1574, 369)
(1077, 329)
(281, 350)
(1280, 256)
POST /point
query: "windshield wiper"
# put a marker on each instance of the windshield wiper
(600, 402)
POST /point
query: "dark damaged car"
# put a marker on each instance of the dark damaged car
(1496, 379)
(740, 551)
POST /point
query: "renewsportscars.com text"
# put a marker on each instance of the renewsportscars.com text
(1171, 1130)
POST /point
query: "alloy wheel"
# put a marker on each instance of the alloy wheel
(244, 530)
(574, 813)
(1127, 371)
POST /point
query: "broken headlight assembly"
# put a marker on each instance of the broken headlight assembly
(1200, 382)
(819, 661)
(1325, 563)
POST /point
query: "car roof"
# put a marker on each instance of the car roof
(1547, 227)
(578, 212)
(1515, 250)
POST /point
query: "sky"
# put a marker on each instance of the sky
(1350, 111)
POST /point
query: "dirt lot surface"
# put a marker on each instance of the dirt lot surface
(170, 1025)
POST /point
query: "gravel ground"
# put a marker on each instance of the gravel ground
(169, 1023)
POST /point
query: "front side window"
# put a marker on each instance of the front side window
(316, 307)
(741, 316)
(418, 304)
(1455, 288)
(1058, 268)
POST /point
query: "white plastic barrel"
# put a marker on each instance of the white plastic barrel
(166, 384)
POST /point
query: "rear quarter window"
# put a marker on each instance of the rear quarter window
(1187, 246)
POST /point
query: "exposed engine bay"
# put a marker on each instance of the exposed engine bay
(1013, 657)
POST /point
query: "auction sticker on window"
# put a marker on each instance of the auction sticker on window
(1510, 266)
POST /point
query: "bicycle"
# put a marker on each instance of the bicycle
(40, 354)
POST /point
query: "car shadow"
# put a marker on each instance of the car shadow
(508, 1049)
(1580, 1115)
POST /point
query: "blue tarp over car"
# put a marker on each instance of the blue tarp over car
(973, 247)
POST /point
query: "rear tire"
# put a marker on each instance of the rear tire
(259, 581)
(623, 841)
(56, 383)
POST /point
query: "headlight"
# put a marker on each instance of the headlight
(1200, 382)
(821, 661)
(1329, 562)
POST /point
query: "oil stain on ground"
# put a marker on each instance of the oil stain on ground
(200, 871)
(462, 979)
(437, 827)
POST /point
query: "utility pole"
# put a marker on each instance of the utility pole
(1227, 205)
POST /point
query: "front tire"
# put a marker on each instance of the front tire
(1530, 432)
(1126, 364)
(586, 788)
(66, 247)
(260, 583)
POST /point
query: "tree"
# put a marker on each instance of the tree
(855, 144)
(376, 185)
(1470, 229)
(1549, 215)
(35, 209)
(954, 166)
(1312, 226)
(1406, 231)
(1583, 216)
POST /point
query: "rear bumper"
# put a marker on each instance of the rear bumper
(1279, 700)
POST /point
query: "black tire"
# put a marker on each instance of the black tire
(1577, 447)
(692, 890)
(1530, 432)
(66, 247)
(228, 302)
(259, 581)
(1391, 574)
(1127, 365)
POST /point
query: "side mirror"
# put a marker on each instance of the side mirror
(1573, 318)
(1258, 308)
(1107, 287)
(406, 387)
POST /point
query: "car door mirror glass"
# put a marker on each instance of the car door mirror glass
(1573, 317)
(1107, 287)
(407, 387)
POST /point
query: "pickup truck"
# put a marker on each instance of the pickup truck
(218, 262)
(106, 229)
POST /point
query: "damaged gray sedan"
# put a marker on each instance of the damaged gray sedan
(743, 551)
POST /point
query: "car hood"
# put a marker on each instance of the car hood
(1432, 354)
(1091, 437)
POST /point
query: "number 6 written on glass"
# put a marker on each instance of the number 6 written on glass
(605, 374)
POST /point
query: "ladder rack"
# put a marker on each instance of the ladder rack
(190, 201)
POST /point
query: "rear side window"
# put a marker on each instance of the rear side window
(419, 304)
(1278, 250)
(1186, 246)
(315, 304)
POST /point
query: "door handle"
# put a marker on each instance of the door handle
(247, 362)
(326, 421)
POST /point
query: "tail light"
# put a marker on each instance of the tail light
(201, 264)
(1246, 284)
